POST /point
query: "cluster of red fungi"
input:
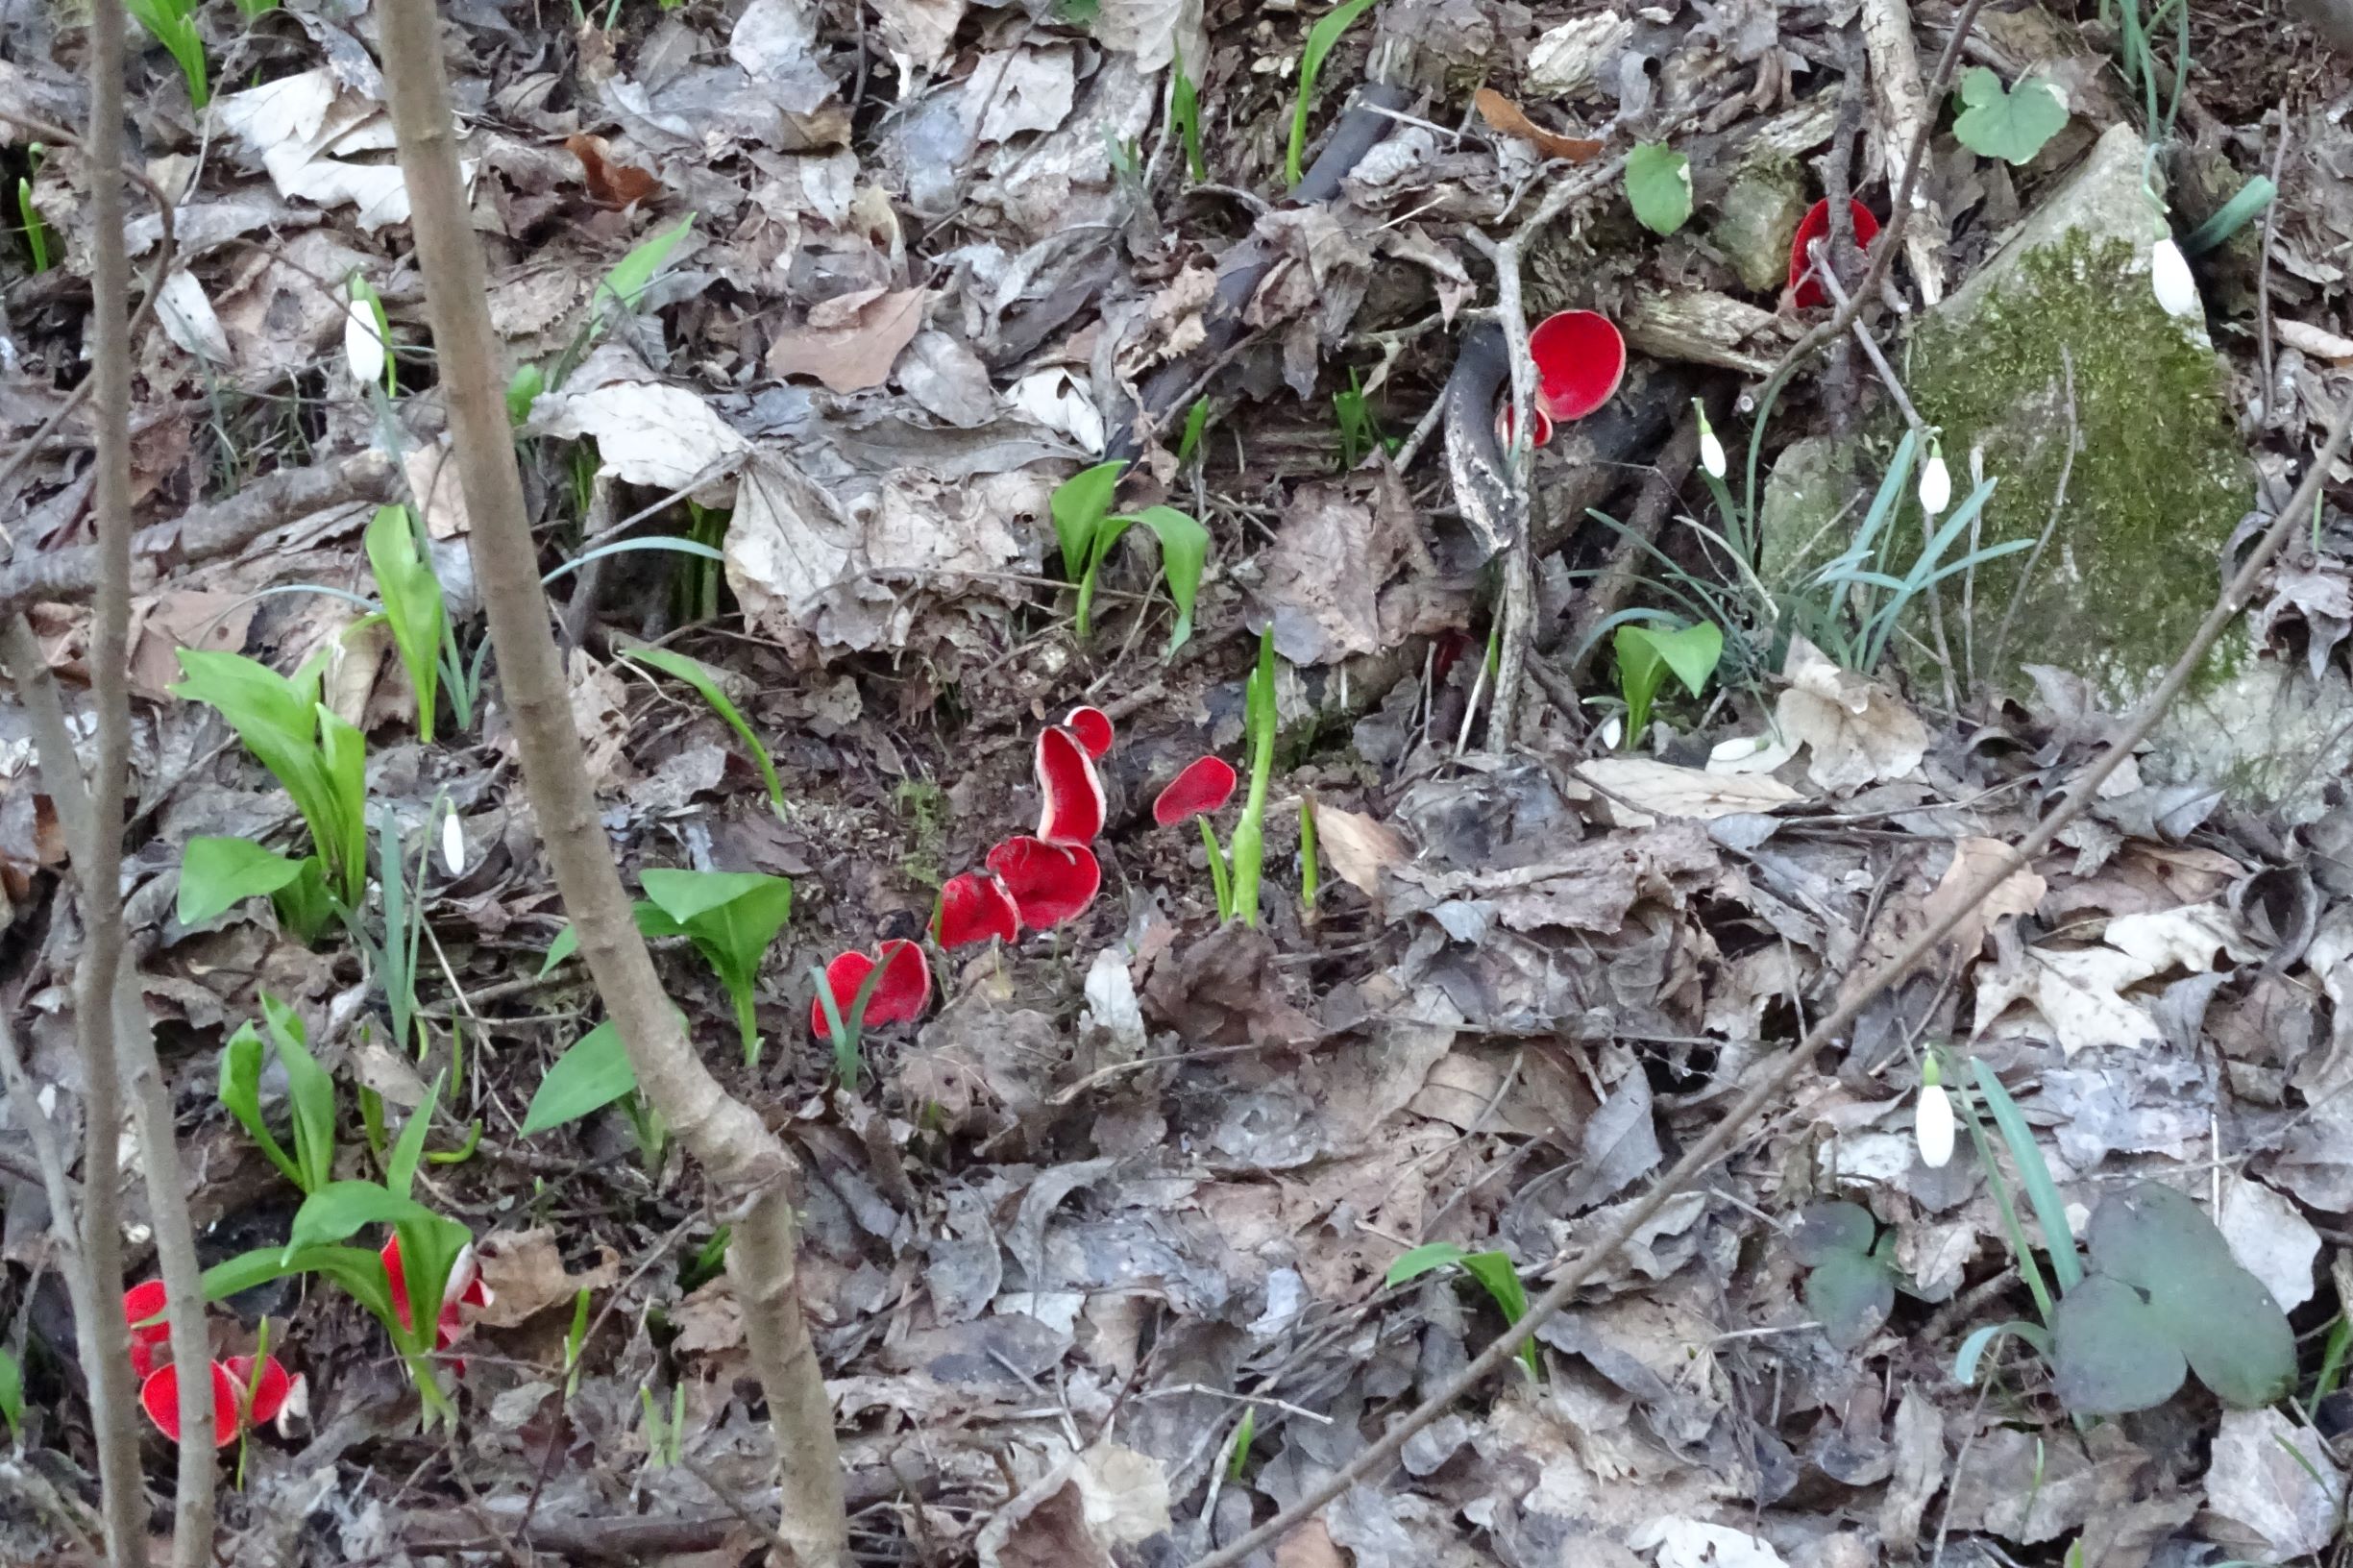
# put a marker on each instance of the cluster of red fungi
(249, 1392)
(1030, 882)
(1580, 357)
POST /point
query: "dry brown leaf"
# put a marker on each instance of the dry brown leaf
(526, 1276)
(1503, 114)
(1309, 1546)
(1859, 733)
(610, 183)
(2318, 342)
(2018, 894)
(1661, 788)
(849, 343)
(197, 618)
(1358, 848)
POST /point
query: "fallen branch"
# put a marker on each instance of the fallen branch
(1772, 1080)
(202, 533)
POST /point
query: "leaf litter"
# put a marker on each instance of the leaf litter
(1097, 1250)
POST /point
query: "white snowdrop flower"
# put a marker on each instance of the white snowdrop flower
(2170, 275)
(1932, 1118)
(1612, 729)
(1935, 483)
(452, 845)
(363, 342)
(1711, 450)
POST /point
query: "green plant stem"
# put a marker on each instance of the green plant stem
(748, 1169)
(2044, 1305)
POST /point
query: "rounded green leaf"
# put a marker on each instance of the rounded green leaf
(1826, 1230)
(2111, 1352)
(1850, 1294)
(2009, 124)
(1658, 186)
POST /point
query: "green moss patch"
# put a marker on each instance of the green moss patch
(2159, 480)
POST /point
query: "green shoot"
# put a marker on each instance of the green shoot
(1322, 38)
(1492, 1270)
(523, 389)
(318, 758)
(1249, 840)
(1185, 114)
(665, 1439)
(413, 609)
(698, 675)
(1197, 422)
(1086, 531)
(2021, 1251)
(172, 23)
(847, 1032)
(2049, 1210)
(1311, 873)
(576, 1339)
(310, 1092)
(1644, 657)
(1359, 428)
(35, 232)
(732, 917)
(1245, 1432)
(12, 1396)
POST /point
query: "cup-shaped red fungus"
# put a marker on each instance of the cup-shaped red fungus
(972, 908)
(1093, 729)
(272, 1390)
(902, 993)
(1580, 358)
(1502, 424)
(1072, 812)
(160, 1398)
(148, 1347)
(1049, 882)
(1206, 785)
(1805, 290)
(463, 1288)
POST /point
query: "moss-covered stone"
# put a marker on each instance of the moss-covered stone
(1757, 219)
(2159, 478)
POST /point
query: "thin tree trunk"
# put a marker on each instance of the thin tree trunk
(749, 1166)
(151, 1104)
(105, 1341)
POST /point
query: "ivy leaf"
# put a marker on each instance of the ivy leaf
(2012, 125)
(1659, 184)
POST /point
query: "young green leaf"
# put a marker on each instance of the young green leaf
(217, 873)
(1247, 848)
(309, 1090)
(730, 917)
(338, 1210)
(1081, 503)
(12, 1396)
(172, 24)
(400, 1166)
(1658, 186)
(698, 676)
(1646, 655)
(591, 1074)
(1185, 114)
(636, 271)
(1184, 552)
(1425, 1259)
(1322, 38)
(1197, 422)
(2013, 124)
(320, 760)
(523, 389)
(412, 605)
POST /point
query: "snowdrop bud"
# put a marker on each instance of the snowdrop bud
(363, 344)
(2170, 275)
(1935, 483)
(452, 845)
(1932, 1120)
(1711, 450)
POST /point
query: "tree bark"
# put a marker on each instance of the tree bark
(748, 1164)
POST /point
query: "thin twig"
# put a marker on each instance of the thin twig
(2263, 278)
(1773, 1077)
